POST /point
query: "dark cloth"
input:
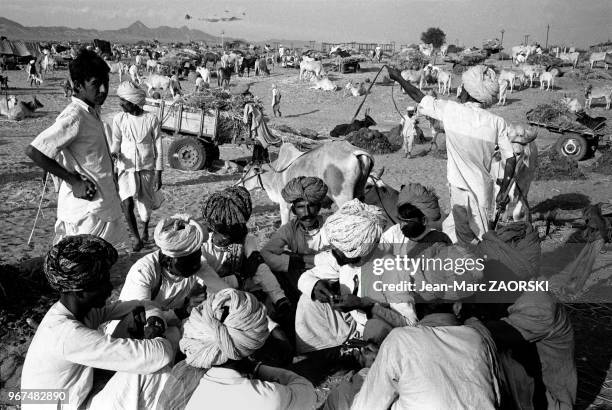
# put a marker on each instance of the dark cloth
(260, 154)
(425, 242)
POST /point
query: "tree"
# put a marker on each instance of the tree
(434, 36)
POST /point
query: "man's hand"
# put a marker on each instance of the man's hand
(158, 180)
(322, 291)
(394, 73)
(154, 328)
(82, 187)
(502, 199)
(351, 302)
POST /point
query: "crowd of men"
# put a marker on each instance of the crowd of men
(213, 319)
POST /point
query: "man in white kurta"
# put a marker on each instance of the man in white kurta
(68, 346)
(75, 151)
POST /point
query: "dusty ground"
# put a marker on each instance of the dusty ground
(21, 185)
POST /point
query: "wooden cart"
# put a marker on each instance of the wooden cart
(197, 130)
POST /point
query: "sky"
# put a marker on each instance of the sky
(465, 22)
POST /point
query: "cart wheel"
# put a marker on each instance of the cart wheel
(187, 154)
(573, 146)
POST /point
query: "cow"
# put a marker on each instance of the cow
(205, 73)
(343, 167)
(315, 67)
(571, 57)
(503, 89)
(594, 93)
(224, 75)
(345, 129)
(18, 110)
(510, 76)
(117, 68)
(324, 84)
(162, 82)
(247, 63)
(594, 58)
(356, 91)
(547, 77)
(444, 82)
(214, 58)
(415, 76)
(261, 67)
(531, 72)
(152, 66)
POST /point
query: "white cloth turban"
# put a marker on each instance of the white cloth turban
(355, 229)
(481, 83)
(179, 235)
(132, 93)
(210, 339)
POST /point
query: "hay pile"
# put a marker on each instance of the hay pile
(557, 115)
(372, 140)
(603, 164)
(230, 111)
(410, 59)
(493, 46)
(467, 59)
(546, 60)
(556, 167)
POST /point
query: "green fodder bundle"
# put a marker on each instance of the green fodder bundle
(372, 140)
(553, 166)
(556, 115)
(412, 60)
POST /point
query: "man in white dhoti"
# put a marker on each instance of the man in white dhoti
(137, 146)
(68, 346)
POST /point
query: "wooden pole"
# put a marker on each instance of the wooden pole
(367, 92)
(547, 30)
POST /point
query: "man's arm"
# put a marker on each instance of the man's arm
(273, 251)
(414, 93)
(159, 154)
(502, 196)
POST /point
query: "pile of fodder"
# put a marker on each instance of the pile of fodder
(552, 166)
(603, 164)
(587, 74)
(546, 60)
(410, 59)
(372, 140)
(557, 115)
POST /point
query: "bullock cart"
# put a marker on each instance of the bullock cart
(579, 134)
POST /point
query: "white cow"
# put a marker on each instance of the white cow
(156, 81)
(415, 77)
(117, 68)
(315, 67)
(547, 77)
(324, 84)
(356, 91)
(594, 93)
(152, 66)
(510, 76)
(531, 71)
(571, 57)
(205, 73)
(426, 49)
(503, 90)
(444, 82)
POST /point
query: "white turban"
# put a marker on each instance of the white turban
(179, 235)
(355, 229)
(209, 339)
(132, 93)
(481, 83)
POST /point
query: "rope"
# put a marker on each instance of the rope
(42, 195)
(368, 92)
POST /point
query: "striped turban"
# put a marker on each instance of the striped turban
(355, 229)
(230, 325)
(129, 91)
(227, 209)
(179, 236)
(310, 189)
(481, 83)
(444, 264)
(79, 263)
(424, 199)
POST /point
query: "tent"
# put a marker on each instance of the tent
(19, 48)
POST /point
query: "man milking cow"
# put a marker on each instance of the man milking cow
(475, 139)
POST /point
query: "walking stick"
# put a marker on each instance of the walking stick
(42, 195)
(368, 92)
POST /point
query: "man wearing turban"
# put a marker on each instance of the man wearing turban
(138, 150)
(68, 345)
(293, 248)
(220, 336)
(475, 140)
(333, 306)
(427, 355)
(174, 277)
(233, 253)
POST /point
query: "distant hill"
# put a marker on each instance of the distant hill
(135, 32)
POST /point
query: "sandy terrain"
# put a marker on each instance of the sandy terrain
(20, 183)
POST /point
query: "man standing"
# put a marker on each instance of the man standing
(276, 97)
(409, 131)
(75, 150)
(474, 138)
(137, 145)
(293, 248)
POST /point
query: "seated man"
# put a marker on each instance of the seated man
(231, 251)
(67, 346)
(439, 364)
(219, 337)
(332, 308)
(293, 248)
(175, 273)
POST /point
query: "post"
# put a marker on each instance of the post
(502, 37)
(547, 30)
